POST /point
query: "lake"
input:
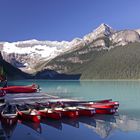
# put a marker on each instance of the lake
(124, 125)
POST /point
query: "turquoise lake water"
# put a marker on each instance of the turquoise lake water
(124, 125)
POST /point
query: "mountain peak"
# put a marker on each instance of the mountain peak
(105, 25)
(101, 31)
(104, 29)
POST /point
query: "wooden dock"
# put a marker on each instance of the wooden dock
(32, 97)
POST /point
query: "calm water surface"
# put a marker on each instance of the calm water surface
(125, 125)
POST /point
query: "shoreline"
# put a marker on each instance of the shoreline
(77, 80)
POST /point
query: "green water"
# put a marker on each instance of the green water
(126, 125)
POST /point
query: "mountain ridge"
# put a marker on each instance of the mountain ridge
(33, 56)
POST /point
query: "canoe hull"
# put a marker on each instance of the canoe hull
(9, 120)
(29, 117)
(19, 89)
(102, 105)
(68, 113)
(54, 115)
(84, 112)
(51, 115)
(110, 111)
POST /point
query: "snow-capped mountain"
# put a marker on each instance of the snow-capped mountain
(27, 54)
(101, 31)
(138, 31)
(125, 37)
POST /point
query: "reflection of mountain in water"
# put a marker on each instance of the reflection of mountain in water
(107, 125)
(125, 123)
(104, 129)
(103, 125)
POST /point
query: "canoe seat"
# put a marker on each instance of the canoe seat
(22, 107)
(9, 110)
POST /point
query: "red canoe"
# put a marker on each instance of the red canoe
(45, 112)
(106, 110)
(9, 115)
(86, 111)
(53, 114)
(57, 112)
(102, 105)
(20, 89)
(28, 114)
(49, 113)
(70, 112)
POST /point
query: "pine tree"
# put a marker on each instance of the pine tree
(2, 74)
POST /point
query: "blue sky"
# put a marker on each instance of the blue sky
(64, 19)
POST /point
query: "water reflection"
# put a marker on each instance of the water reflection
(102, 125)
(2, 135)
(106, 118)
(71, 122)
(57, 124)
(106, 125)
(7, 128)
(89, 121)
(34, 126)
